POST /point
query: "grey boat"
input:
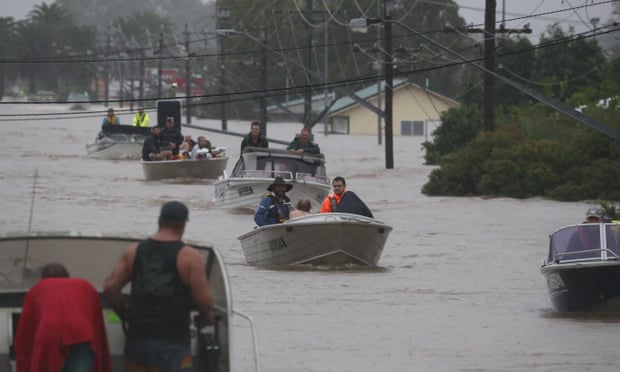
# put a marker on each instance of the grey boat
(92, 258)
(256, 169)
(325, 239)
(209, 169)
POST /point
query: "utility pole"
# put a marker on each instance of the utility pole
(379, 118)
(222, 15)
(308, 67)
(489, 33)
(263, 100)
(188, 79)
(389, 70)
(489, 64)
(159, 62)
(142, 72)
(132, 74)
(106, 72)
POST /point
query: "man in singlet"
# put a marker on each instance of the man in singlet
(166, 277)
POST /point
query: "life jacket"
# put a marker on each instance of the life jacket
(140, 120)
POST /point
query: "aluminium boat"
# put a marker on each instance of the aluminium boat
(92, 257)
(256, 169)
(118, 142)
(325, 239)
(209, 169)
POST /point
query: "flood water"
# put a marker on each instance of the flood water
(458, 287)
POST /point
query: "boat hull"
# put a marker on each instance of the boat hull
(579, 287)
(196, 169)
(330, 239)
(248, 192)
(115, 151)
(92, 258)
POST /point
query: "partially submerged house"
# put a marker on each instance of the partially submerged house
(416, 110)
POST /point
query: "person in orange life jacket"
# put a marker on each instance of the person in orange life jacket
(110, 119)
(275, 206)
(344, 201)
(339, 186)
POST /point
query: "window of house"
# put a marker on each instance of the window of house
(340, 125)
(412, 128)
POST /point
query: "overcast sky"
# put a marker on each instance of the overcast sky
(471, 10)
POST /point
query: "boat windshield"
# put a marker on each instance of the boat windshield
(584, 242)
(279, 163)
(90, 258)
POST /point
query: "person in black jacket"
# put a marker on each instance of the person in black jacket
(170, 138)
(255, 138)
(151, 149)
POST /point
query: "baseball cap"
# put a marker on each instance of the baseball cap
(174, 210)
(595, 212)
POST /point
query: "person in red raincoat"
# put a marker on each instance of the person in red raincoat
(61, 326)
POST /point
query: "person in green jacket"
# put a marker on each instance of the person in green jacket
(303, 143)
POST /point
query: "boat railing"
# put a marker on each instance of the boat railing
(267, 174)
(309, 177)
(254, 338)
(586, 255)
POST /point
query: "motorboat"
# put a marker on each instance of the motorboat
(323, 239)
(92, 257)
(582, 268)
(116, 142)
(256, 169)
(210, 169)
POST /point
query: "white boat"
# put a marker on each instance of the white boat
(118, 142)
(257, 168)
(92, 258)
(582, 268)
(210, 169)
(325, 239)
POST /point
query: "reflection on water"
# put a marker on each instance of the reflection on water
(458, 287)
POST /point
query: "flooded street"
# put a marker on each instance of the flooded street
(458, 287)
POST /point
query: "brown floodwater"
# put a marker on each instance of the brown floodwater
(458, 287)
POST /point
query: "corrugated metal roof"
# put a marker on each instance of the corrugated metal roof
(365, 94)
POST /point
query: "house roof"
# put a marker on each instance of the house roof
(371, 91)
(301, 101)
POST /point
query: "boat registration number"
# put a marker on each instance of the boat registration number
(277, 244)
